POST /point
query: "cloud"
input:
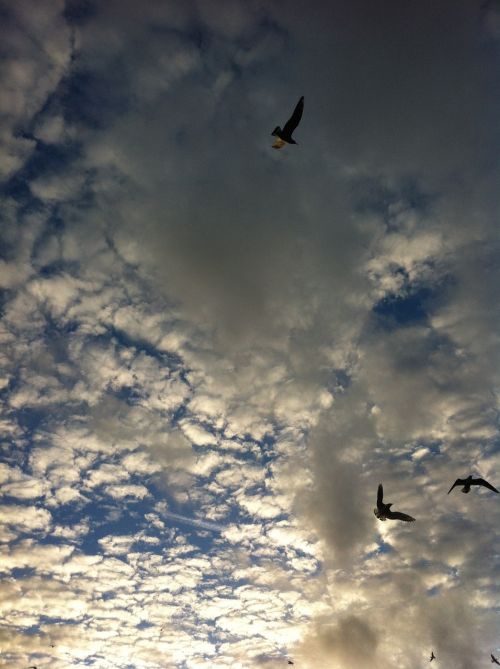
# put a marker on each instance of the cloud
(351, 639)
(37, 53)
(121, 491)
(25, 518)
(240, 344)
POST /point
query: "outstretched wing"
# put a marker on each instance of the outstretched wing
(484, 483)
(294, 119)
(457, 482)
(494, 659)
(397, 515)
(380, 495)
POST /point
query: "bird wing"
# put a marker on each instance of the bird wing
(483, 483)
(397, 515)
(294, 119)
(457, 482)
(380, 495)
(494, 659)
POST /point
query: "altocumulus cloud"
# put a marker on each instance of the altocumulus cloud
(212, 354)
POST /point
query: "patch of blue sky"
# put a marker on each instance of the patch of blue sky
(383, 548)
(403, 310)
(78, 12)
(21, 572)
(95, 99)
(17, 188)
(8, 246)
(117, 518)
(58, 267)
(179, 413)
(29, 418)
(338, 382)
(433, 591)
(55, 620)
(170, 361)
(44, 160)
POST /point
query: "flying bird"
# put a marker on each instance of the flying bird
(470, 481)
(383, 511)
(433, 657)
(284, 136)
(494, 659)
(290, 661)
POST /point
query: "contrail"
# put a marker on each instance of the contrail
(203, 524)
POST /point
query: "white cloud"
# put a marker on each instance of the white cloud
(130, 490)
(197, 434)
(25, 518)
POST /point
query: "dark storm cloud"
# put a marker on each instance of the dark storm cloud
(234, 230)
(339, 506)
(350, 641)
(226, 225)
(405, 87)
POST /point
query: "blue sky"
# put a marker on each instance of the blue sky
(213, 352)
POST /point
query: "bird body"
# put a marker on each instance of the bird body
(383, 511)
(433, 657)
(494, 659)
(284, 136)
(469, 481)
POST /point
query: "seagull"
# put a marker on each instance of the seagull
(494, 659)
(383, 511)
(284, 136)
(470, 481)
(433, 657)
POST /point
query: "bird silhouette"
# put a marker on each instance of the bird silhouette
(290, 662)
(494, 659)
(433, 657)
(284, 136)
(470, 481)
(383, 511)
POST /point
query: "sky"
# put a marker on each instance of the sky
(213, 352)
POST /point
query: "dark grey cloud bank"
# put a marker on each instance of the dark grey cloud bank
(401, 104)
